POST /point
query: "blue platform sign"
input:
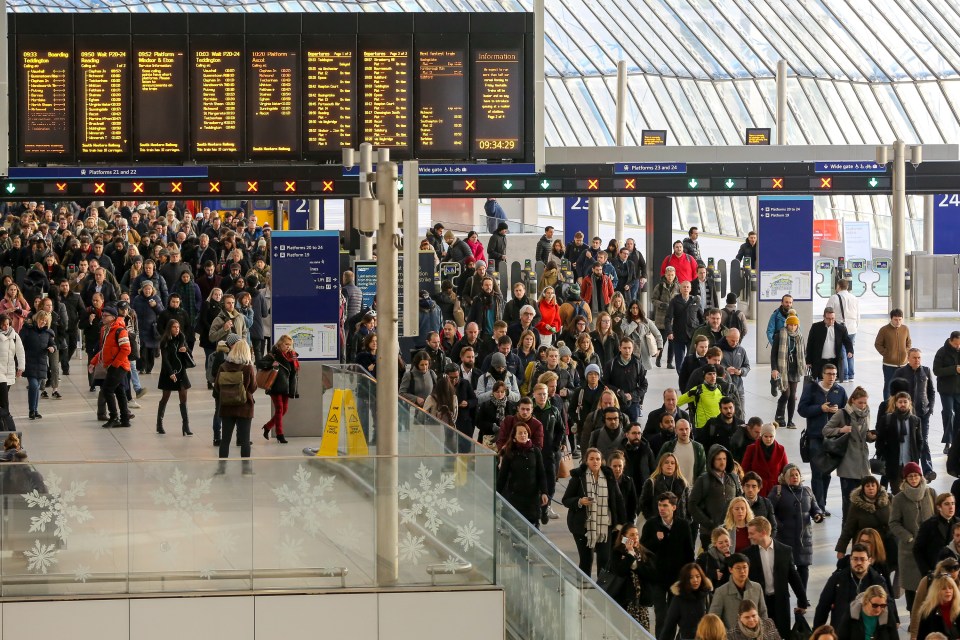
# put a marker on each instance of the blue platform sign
(508, 169)
(634, 168)
(849, 166)
(785, 249)
(306, 291)
(300, 214)
(946, 223)
(366, 279)
(100, 173)
(576, 217)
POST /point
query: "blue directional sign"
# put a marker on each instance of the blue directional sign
(849, 166)
(510, 169)
(300, 214)
(576, 217)
(785, 227)
(946, 223)
(100, 173)
(634, 168)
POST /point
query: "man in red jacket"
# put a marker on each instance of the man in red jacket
(115, 356)
(684, 263)
(596, 289)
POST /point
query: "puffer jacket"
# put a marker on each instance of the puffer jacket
(12, 356)
(794, 508)
(35, 344)
(910, 507)
(710, 494)
(864, 513)
(662, 294)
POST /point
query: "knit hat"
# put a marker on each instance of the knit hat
(498, 361)
(899, 384)
(231, 339)
(502, 227)
(469, 262)
(770, 428)
(731, 298)
(565, 351)
(592, 369)
(448, 236)
(112, 311)
(481, 263)
(573, 292)
(793, 320)
(911, 467)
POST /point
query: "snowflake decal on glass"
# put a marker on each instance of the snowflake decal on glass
(59, 506)
(81, 573)
(101, 543)
(451, 564)
(41, 557)
(468, 536)
(412, 548)
(306, 503)
(429, 499)
(226, 543)
(348, 537)
(206, 573)
(291, 550)
(184, 500)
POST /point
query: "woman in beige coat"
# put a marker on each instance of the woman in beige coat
(912, 506)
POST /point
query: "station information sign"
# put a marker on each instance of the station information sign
(216, 79)
(273, 99)
(160, 97)
(329, 89)
(103, 95)
(442, 96)
(45, 83)
(497, 76)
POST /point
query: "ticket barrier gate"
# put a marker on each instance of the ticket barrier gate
(881, 288)
(856, 267)
(717, 275)
(447, 271)
(826, 268)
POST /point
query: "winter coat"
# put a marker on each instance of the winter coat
(671, 552)
(487, 417)
(431, 319)
(544, 247)
(577, 488)
(148, 315)
(683, 318)
(685, 611)
(476, 248)
(685, 265)
(714, 564)
(12, 356)
(852, 626)
(892, 343)
(793, 508)
(770, 469)
(217, 331)
(863, 514)
(416, 384)
(811, 406)
(209, 310)
(785, 578)
(605, 293)
(35, 344)
(630, 499)
(653, 487)
(459, 251)
(637, 331)
(286, 383)
(910, 508)
(710, 494)
(662, 294)
(778, 320)
(706, 402)
(521, 480)
(497, 248)
(889, 441)
(624, 378)
(921, 388)
(699, 457)
(945, 364)
(932, 536)
(856, 461)
(621, 564)
(640, 462)
(726, 602)
(173, 362)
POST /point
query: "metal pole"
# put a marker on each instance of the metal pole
(387, 424)
(782, 102)
(593, 219)
(5, 93)
(314, 215)
(539, 140)
(621, 230)
(365, 252)
(928, 224)
(898, 263)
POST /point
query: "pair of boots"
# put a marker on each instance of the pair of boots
(161, 409)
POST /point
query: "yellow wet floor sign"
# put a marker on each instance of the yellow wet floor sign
(343, 406)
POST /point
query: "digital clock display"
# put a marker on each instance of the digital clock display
(497, 114)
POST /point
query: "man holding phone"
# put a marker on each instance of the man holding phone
(818, 402)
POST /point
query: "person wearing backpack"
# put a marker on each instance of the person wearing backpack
(234, 386)
(733, 318)
(217, 358)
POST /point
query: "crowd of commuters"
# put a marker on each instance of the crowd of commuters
(134, 286)
(690, 508)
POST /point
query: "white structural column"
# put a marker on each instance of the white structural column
(314, 215)
(782, 102)
(365, 251)
(928, 224)
(539, 141)
(898, 262)
(621, 227)
(593, 219)
(387, 420)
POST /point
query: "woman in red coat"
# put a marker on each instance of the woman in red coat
(766, 457)
(549, 324)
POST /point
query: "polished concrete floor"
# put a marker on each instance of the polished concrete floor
(69, 430)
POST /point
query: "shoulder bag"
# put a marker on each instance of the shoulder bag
(266, 377)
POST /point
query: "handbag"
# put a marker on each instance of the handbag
(566, 464)
(878, 466)
(804, 446)
(187, 359)
(825, 461)
(99, 371)
(801, 629)
(837, 445)
(651, 344)
(266, 377)
(610, 582)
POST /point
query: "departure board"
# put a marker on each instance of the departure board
(329, 89)
(442, 98)
(273, 100)
(216, 97)
(160, 97)
(45, 99)
(497, 74)
(386, 97)
(103, 97)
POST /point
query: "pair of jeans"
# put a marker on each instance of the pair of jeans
(633, 411)
(819, 481)
(135, 377)
(242, 425)
(926, 462)
(848, 366)
(602, 549)
(678, 350)
(888, 371)
(951, 416)
(280, 403)
(33, 394)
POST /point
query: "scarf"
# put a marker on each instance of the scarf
(750, 633)
(767, 451)
(501, 406)
(598, 513)
(945, 615)
(917, 493)
(523, 446)
(291, 357)
(861, 415)
(903, 422)
(783, 354)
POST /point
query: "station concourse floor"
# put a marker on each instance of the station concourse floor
(69, 430)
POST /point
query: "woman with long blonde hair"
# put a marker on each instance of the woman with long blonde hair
(285, 360)
(940, 611)
(739, 514)
(666, 477)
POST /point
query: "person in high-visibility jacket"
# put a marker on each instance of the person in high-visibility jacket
(705, 397)
(115, 357)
